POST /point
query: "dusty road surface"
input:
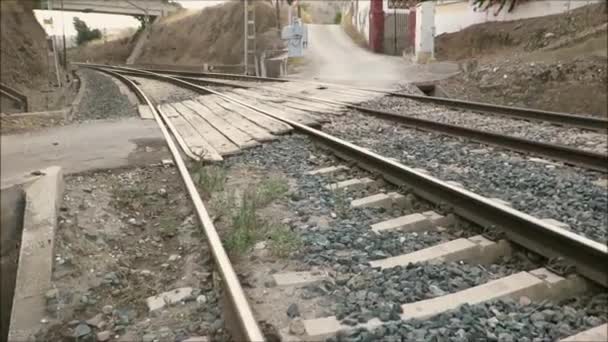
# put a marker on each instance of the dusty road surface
(78, 148)
(332, 56)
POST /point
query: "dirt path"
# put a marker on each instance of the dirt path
(78, 148)
(332, 56)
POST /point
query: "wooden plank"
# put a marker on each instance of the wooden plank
(353, 93)
(334, 95)
(315, 117)
(144, 112)
(273, 125)
(168, 110)
(280, 112)
(238, 121)
(219, 142)
(195, 152)
(193, 140)
(290, 101)
(295, 87)
(238, 137)
(271, 102)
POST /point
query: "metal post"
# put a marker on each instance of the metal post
(50, 6)
(65, 49)
(246, 37)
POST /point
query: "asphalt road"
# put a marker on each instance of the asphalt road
(82, 147)
(332, 56)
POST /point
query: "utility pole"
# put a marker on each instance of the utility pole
(245, 35)
(50, 7)
(250, 48)
(65, 49)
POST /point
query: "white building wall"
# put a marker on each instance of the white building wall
(361, 17)
(456, 15)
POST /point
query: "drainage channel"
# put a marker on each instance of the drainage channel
(12, 202)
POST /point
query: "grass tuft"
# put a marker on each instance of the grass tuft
(271, 189)
(209, 179)
(247, 227)
(283, 241)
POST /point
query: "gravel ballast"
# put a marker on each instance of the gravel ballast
(164, 92)
(566, 194)
(380, 293)
(334, 234)
(102, 99)
(502, 321)
(344, 243)
(536, 131)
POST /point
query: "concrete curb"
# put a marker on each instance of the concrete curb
(42, 200)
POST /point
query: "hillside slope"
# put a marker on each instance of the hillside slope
(213, 35)
(24, 52)
(556, 63)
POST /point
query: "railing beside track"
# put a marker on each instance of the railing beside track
(15, 96)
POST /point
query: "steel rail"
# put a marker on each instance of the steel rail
(249, 329)
(587, 256)
(566, 154)
(215, 75)
(569, 155)
(559, 118)
(193, 79)
(579, 121)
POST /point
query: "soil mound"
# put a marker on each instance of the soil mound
(213, 35)
(24, 49)
(557, 63)
(523, 35)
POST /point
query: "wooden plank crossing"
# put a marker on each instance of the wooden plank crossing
(191, 138)
(266, 106)
(238, 121)
(212, 126)
(271, 124)
(293, 102)
(238, 137)
(145, 112)
(216, 139)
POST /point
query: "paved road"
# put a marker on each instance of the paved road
(82, 147)
(333, 57)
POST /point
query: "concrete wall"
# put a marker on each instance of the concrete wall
(454, 16)
(12, 202)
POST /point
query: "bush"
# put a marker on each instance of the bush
(338, 18)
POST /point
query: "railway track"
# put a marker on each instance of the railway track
(553, 151)
(557, 118)
(506, 229)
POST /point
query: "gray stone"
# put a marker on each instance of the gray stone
(107, 309)
(81, 331)
(103, 336)
(293, 311)
(296, 327)
(149, 338)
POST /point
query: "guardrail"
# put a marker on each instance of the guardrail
(15, 96)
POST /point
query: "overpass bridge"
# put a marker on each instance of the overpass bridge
(153, 8)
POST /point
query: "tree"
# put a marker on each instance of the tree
(84, 33)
